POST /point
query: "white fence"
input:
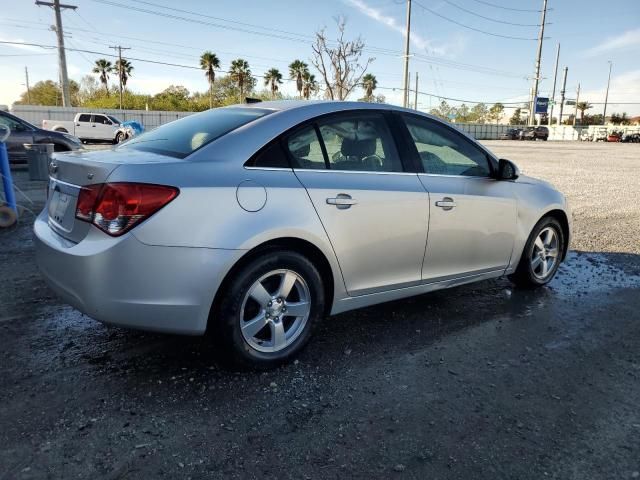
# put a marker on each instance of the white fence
(149, 118)
(556, 132)
(154, 118)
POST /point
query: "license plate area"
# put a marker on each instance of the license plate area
(61, 206)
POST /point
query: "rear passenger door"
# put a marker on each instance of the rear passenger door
(374, 211)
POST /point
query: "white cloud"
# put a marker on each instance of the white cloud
(417, 40)
(624, 90)
(16, 45)
(628, 39)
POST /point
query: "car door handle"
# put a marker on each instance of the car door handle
(342, 201)
(446, 203)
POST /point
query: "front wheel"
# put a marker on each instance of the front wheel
(541, 256)
(120, 137)
(268, 310)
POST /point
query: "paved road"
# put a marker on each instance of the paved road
(482, 381)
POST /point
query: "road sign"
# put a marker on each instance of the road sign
(541, 104)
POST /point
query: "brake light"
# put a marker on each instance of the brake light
(116, 208)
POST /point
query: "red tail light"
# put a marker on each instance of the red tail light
(116, 208)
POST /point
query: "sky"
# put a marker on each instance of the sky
(459, 47)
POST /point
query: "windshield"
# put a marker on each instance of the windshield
(113, 119)
(185, 136)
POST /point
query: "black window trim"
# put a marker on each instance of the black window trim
(413, 151)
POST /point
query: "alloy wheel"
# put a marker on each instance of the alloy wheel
(275, 310)
(544, 256)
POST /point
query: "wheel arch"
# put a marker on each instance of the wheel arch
(295, 244)
(561, 216)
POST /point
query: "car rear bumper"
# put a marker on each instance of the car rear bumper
(122, 281)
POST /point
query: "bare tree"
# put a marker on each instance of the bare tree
(339, 62)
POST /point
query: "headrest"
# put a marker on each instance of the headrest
(358, 148)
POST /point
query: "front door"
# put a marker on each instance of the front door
(20, 134)
(102, 128)
(473, 218)
(374, 213)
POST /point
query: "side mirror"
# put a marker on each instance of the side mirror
(507, 170)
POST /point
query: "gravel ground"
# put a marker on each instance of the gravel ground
(481, 381)
(601, 181)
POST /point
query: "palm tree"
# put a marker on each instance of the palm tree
(209, 62)
(240, 73)
(273, 77)
(582, 106)
(309, 84)
(297, 69)
(103, 67)
(123, 68)
(369, 83)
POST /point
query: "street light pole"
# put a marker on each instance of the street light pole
(606, 97)
(405, 99)
(562, 92)
(555, 78)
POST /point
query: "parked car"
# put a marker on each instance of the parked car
(87, 126)
(511, 134)
(254, 222)
(535, 133)
(23, 132)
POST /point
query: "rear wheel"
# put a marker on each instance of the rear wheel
(269, 309)
(541, 256)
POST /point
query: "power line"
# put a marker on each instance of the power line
(433, 12)
(376, 50)
(191, 67)
(507, 8)
(491, 19)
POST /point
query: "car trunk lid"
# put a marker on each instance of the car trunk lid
(69, 172)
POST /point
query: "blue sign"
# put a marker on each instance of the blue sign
(542, 103)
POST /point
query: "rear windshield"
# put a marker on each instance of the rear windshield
(183, 137)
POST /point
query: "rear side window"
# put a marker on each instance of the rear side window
(272, 156)
(355, 142)
(183, 137)
(84, 118)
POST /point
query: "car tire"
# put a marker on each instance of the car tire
(535, 268)
(119, 138)
(243, 307)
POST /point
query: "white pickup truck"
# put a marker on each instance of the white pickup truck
(88, 126)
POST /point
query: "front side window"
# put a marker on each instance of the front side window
(14, 125)
(443, 151)
(182, 137)
(101, 120)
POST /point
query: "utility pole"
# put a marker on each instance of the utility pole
(562, 92)
(575, 112)
(405, 100)
(415, 98)
(120, 48)
(62, 58)
(555, 78)
(536, 78)
(26, 77)
(606, 97)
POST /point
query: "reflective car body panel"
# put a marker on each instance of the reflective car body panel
(392, 239)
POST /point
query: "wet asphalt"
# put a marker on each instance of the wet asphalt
(480, 381)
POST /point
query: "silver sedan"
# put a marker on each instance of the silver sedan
(254, 221)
